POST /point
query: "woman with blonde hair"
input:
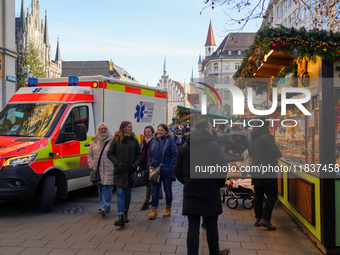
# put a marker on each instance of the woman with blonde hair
(125, 154)
(101, 142)
(163, 150)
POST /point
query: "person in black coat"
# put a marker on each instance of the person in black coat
(264, 152)
(201, 197)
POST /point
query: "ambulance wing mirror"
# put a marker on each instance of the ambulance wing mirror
(81, 132)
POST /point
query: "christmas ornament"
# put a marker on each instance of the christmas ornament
(274, 46)
(284, 44)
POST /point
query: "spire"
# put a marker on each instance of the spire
(46, 41)
(210, 37)
(185, 88)
(57, 54)
(164, 68)
(200, 60)
(22, 17)
(192, 77)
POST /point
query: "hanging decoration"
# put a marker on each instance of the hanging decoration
(274, 46)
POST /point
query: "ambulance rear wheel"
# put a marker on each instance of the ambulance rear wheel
(232, 203)
(48, 194)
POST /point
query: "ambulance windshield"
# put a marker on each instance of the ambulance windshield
(33, 120)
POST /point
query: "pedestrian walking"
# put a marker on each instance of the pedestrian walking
(201, 197)
(264, 152)
(145, 144)
(99, 146)
(125, 154)
(162, 142)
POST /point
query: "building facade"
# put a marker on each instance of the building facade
(179, 94)
(30, 29)
(8, 53)
(311, 14)
(220, 64)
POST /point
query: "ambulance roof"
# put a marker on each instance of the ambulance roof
(53, 94)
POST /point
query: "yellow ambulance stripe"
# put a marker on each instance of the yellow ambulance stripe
(84, 149)
(121, 88)
(139, 138)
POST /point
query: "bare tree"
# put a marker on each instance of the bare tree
(321, 14)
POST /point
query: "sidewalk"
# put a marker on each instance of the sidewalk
(80, 230)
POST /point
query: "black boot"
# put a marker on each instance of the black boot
(120, 222)
(126, 220)
(267, 224)
(257, 222)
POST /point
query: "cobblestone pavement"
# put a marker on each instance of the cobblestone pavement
(75, 227)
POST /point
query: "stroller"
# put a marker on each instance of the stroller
(238, 188)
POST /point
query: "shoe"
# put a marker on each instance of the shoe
(103, 212)
(267, 224)
(224, 252)
(167, 212)
(257, 222)
(99, 211)
(120, 222)
(126, 220)
(153, 214)
(145, 206)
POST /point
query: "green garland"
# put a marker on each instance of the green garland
(309, 44)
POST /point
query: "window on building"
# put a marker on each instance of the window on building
(239, 52)
(209, 51)
(215, 67)
(285, 23)
(307, 12)
(213, 80)
(312, 6)
(229, 52)
(237, 65)
(278, 11)
(289, 3)
(226, 94)
(324, 23)
(289, 21)
(294, 18)
(281, 10)
(226, 66)
(302, 13)
(226, 80)
(286, 5)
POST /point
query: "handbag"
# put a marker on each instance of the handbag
(95, 173)
(139, 178)
(155, 172)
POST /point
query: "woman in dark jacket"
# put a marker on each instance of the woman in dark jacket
(145, 144)
(162, 140)
(125, 154)
(201, 196)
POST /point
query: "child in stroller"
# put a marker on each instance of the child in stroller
(238, 187)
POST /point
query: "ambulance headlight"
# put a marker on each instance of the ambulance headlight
(20, 160)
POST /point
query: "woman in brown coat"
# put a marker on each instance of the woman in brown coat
(101, 140)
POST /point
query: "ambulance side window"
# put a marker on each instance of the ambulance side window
(78, 115)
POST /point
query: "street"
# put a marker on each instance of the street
(75, 227)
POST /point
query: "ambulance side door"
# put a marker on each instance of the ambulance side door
(73, 152)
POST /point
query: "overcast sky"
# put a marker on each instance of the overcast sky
(135, 34)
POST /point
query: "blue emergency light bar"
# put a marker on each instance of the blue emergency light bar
(73, 81)
(32, 82)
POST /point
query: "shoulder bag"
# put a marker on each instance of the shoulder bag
(94, 173)
(155, 172)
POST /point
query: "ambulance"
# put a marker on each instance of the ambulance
(46, 130)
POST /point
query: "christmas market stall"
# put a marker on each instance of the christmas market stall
(186, 116)
(309, 179)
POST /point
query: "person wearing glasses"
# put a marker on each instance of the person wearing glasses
(125, 154)
(101, 142)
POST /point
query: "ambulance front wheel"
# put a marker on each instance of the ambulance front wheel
(48, 194)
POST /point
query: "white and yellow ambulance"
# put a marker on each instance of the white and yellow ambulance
(46, 129)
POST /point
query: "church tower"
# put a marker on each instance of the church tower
(210, 45)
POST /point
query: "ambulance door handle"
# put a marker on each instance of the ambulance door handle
(86, 145)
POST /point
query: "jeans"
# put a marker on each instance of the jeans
(194, 233)
(271, 191)
(148, 192)
(123, 199)
(105, 196)
(167, 185)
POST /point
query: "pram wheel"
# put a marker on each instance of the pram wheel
(248, 203)
(232, 202)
